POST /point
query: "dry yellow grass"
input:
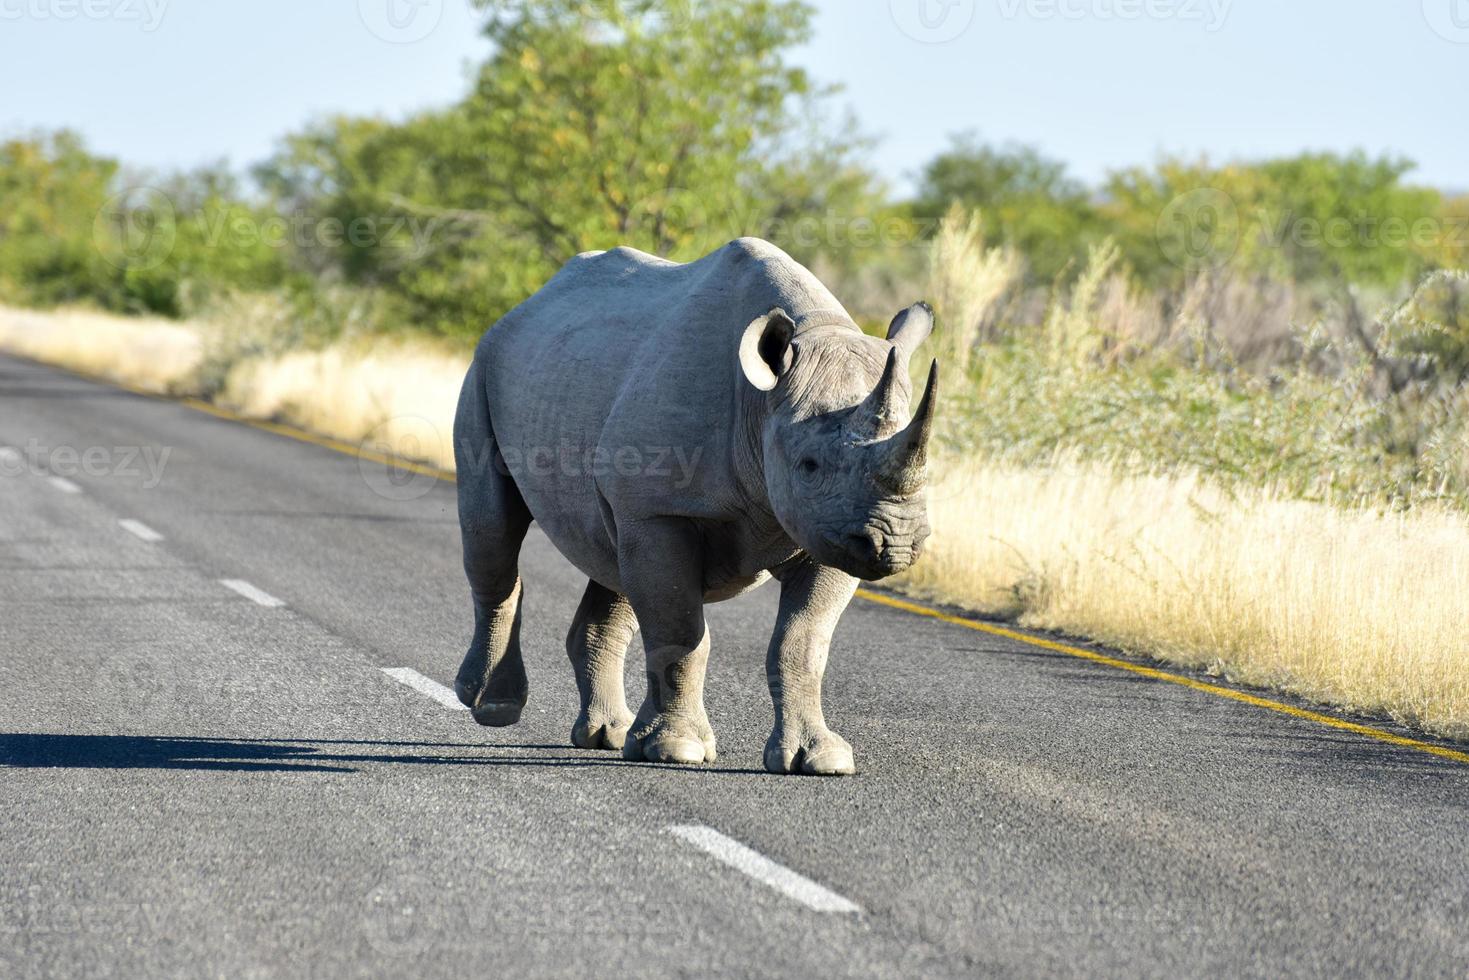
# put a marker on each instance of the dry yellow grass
(966, 283)
(393, 396)
(156, 355)
(397, 398)
(1354, 608)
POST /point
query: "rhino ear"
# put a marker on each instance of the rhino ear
(765, 349)
(911, 327)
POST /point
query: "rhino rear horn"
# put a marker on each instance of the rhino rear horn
(911, 327)
(905, 463)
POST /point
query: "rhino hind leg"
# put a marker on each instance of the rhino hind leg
(597, 645)
(493, 521)
(492, 681)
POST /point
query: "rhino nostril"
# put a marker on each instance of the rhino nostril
(867, 543)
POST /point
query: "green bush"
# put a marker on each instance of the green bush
(1367, 429)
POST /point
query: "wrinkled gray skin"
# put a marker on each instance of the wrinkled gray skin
(683, 433)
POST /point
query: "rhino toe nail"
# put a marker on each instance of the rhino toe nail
(688, 751)
(497, 714)
(835, 762)
(778, 762)
(603, 737)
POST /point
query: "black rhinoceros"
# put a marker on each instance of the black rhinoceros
(683, 433)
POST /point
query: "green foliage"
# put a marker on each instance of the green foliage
(1433, 325)
(1303, 434)
(670, 127)
(1346, 218)
(73, 230)
(635, 123)
(1369, 430)
(1027, 201)
(1315, 218)
(1451, 251)
(51, 190)
(188, 236)
(352, 186)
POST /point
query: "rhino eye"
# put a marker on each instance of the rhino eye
(808, 466)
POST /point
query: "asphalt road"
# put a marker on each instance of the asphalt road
(194, 784)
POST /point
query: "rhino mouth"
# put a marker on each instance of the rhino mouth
(870, 555)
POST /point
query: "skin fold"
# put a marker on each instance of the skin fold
(683, 433)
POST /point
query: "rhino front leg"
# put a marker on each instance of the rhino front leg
(661, 565)
(597, 646)
(812, 598)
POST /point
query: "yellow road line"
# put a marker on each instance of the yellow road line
(277, 428)
(1366, 731)
(326, 442)
(1163, 675)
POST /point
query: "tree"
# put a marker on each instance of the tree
(75, 227)
(1025, 200)
(1315, 218)
(630, 122)
(671, 127)
(51, 190)
(1328, 217)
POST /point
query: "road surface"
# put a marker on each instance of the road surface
(257, 779)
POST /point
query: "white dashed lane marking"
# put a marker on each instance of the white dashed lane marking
(64, 485)
(257, 596)
(762, 869)
(424, 686)
(140, 530)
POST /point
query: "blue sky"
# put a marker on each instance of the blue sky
(1097, 83)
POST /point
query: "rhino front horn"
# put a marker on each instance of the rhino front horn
(905, 466)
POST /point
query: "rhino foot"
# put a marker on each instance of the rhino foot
(667, 739)
(821, 752)
(601, 729)
(497, 714)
